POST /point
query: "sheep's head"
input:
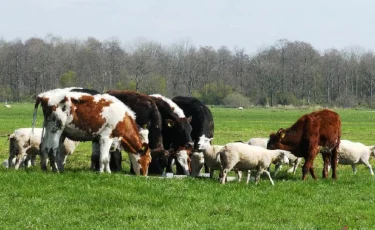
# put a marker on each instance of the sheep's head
(204, 142)
(372, 151)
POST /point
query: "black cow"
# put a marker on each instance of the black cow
(176, 127)
(147, 114)
(202, 121)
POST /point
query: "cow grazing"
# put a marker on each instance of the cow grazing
(176, 128)
(202, 121)
(24, 147)
(147, 115)
(84, 117)
(306, 135)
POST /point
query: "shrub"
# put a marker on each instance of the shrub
(236, 100)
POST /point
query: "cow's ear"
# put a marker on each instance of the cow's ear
(189, 119)
(170, 123)
(281, 133)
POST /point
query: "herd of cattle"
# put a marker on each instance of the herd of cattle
(158, 132)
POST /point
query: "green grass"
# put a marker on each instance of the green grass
(81, 199)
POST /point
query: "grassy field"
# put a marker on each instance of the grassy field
(81, 199)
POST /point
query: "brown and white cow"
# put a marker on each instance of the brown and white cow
(80, 116)
(310, 133)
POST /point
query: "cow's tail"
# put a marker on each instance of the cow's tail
(37, 102)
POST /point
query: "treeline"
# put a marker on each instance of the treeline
(288, 72)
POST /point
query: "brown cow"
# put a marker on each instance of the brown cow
(320, 130)
(80, 116)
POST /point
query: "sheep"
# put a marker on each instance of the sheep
(240, 108)
(210, 153)
(241, 157)
(293, 160)
(24, 146)
(352, 153)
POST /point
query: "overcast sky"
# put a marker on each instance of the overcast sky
(247, 24)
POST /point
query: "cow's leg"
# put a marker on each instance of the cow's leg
(334, 163)
(326, 162)
(95, 155)
(212, 173)
(105, 146)
(308, 167)
(115, 160)
(60, 154)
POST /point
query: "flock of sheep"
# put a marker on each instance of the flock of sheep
(24, 148)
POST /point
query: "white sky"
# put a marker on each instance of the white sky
(247, 24)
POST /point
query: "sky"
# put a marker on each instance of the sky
(248, 24)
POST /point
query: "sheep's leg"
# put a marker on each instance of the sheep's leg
(105, 146)
(33, 158)
(269, 175)
(278, 167)
(248, 176)
(224, 173)
(239, 175)
(354, 169)
(365, 162)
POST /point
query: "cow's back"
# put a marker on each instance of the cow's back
(202, 120)
(147, 113)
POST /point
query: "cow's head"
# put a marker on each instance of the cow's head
(183, 160)
(181, 130)
(275, 139)
(159, 161)
(145, 159)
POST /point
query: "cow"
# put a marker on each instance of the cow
(147, 115)
(81, 116)
(309, 134)
(24, 147)
(176, 128)
(202, 120)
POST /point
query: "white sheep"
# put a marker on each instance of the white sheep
(24, 147)
(244, 157)
(352, 153)
(293, 160)
(210, 153)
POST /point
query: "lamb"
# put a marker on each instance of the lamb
(24, 146)
(293, 160)
(210, 153)
(244, 157)
(352, 153)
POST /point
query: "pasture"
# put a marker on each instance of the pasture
(81, 199)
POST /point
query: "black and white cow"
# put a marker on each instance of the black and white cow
(147, 114)
(176, 129)
(202, 120)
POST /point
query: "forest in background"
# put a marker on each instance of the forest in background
(285, 73)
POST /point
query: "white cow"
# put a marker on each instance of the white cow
(24, 147)
(352, 153)
(244, 157)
